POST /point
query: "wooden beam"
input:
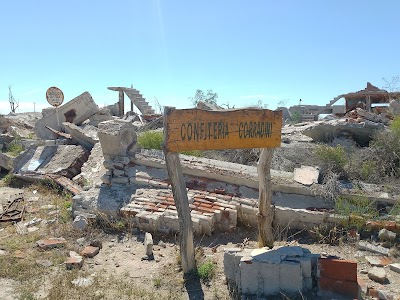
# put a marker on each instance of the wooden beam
(181, 202)
(265, 209)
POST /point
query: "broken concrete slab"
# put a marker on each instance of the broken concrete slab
(6, 161)
(395, 267)
(85, 136)
(386, 235)
(363, 245)
(117, 138)
(306, 175)
(65, 160)
(102, 115)
(93, 169)
(327, 131)
(75, 111)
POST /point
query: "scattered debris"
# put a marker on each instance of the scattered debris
(14, 210)
(386, 235)
(306, 175)
(74, 261)
(148, 244)
(363, 245)
(90, 251)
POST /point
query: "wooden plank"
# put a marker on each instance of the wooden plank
(182, 206)
(265, 209)
(195, 129)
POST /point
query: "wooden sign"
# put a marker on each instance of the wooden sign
(195, 129)
(54, 96)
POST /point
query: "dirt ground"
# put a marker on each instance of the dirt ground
(120, 271)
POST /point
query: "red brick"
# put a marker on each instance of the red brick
(206, 205)
(51, 243)
(344, 270)
(90, 251)
(341, 287)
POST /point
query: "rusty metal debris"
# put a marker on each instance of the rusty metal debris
(14, 210)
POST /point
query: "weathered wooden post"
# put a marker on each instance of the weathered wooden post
(181, 201)
(265, 210)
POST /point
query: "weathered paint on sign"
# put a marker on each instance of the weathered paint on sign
(195, 129)
(54, 96)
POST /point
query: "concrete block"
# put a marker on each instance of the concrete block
(116, 137)
(148, 244)
(395, 267)
(75, 111)
(258, 278)
(232, 257)
(305, 264)
(291, 277)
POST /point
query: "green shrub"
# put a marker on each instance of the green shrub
(331, 158)
(8, 179)
(14, 148)
(151, 139)
(154, 139)
(206, 271)
(395, 126)
(295, 117)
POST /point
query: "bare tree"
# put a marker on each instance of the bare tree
(391, 84)
(13, 103)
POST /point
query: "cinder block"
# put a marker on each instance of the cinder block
(305, 264)
(291, 277)
(232, 259)
(342, 270)
(258, 278)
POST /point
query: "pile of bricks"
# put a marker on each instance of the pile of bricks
(209, 212)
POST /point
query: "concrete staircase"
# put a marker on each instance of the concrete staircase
(331, 102)
(138, 100)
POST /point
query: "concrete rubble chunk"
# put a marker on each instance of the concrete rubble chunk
(116, 137)
(86, 136)
(377, 274)
(90, 251)
(363, 245)
(74, 261)
(75, 111)
(306, 175)
(80, 223)
(386, 235)
(51, 243)
(148, 244)
(395, 267)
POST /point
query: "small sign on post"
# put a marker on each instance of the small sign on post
(195, 129)
(55, 97)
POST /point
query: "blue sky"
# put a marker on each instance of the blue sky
(243, 50)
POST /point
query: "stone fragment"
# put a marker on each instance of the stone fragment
(106, 179)
(83, 282)
(118, 173)
(90, 251)
(122, 159)
(148, 244)
(306, 175)
(377, 274)
(386, 235)
(395, 267)
(80, 223)
(74, 261)
(162, 244)
(44, 263)
(119, 180)
(363, 245)
(51, 243)
(378, 261)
